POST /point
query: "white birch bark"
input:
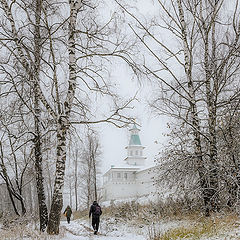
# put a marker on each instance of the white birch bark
(211, 107)
(206, 190)
(43, 211)
(63, 124)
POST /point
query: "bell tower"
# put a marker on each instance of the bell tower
(135, 149)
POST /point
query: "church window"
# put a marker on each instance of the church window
(136, 152)
(141, 153)
(125, 175)
(118, 175)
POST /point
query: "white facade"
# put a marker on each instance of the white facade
(131, 179)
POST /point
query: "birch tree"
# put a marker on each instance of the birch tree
(43, 211)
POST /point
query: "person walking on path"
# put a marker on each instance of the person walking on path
(95, 211)
(68, 213)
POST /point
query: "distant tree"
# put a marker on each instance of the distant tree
(75, 150)
(90, 163)
(5, 177)
(14, 167)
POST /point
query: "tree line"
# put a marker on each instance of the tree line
(193, 61)
(54, 77)
(53, 74)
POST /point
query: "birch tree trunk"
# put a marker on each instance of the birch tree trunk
(57, 200)
(63, 125)
(208, 189)
(43, 212)
(211, 100)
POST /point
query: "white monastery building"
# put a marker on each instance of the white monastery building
(131, 179)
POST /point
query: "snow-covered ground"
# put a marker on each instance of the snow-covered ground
(110, 229)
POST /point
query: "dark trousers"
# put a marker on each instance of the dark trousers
(95, 222)
(68, 219)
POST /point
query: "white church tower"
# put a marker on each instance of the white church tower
(131, 178)
(135, 149)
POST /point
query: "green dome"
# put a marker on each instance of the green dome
(135, 140)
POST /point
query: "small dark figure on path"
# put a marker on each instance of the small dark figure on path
(95, 211)
(68, 213)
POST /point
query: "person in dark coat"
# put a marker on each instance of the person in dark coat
(68, 213)
(95, 211)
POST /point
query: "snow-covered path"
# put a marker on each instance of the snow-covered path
(77, 230)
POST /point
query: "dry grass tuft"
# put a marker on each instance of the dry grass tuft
(15, 228)
(204, 227)
(80, 214)
(28, 232)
